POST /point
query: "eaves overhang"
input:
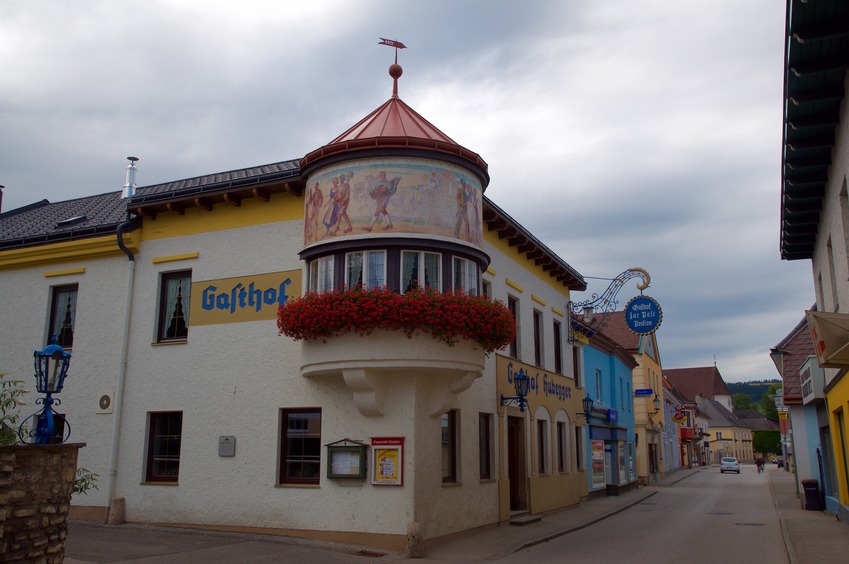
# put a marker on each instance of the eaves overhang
(816, 61)
(230, 187)
(534, 250)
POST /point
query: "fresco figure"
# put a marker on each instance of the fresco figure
(380, 191)
(332, 213)
(462, 217)
(476, 221)
(315, 199)
(343, 198)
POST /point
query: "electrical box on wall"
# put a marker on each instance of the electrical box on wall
(226, 445)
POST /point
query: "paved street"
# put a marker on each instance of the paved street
(694, 512)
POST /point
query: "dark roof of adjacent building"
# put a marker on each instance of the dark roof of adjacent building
(614, 327)
(704, 381)
(816, 60)
(718, 414)
(609, 346)
(756, 420)
(795, 349)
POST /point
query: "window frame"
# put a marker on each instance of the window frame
(57, 295)
(543, 447)
(562, 434)
(283, 476)
(485, 446)
(557, 330)
(165, 319)
(469, 276)
(513, 308)
(322, 273)
(448, 424)
(539, 352)
(421, 271)
(366, 267)
(154, 446)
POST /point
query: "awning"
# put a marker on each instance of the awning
(830, 333)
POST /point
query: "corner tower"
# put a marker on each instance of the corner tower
(394, 202)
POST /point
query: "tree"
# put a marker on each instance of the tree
(741, 401)
(766, 441)
(768, 404)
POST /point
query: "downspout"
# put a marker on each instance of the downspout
(116, 505)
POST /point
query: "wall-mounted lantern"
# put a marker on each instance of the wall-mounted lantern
(522, 385)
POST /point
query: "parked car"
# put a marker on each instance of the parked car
(729, 464)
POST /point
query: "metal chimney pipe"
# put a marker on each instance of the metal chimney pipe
(130, 182)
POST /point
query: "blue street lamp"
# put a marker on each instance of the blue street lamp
(51, 367)
(522, 385)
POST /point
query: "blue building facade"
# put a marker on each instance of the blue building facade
(611, 444)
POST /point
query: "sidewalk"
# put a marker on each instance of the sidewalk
(809, 536)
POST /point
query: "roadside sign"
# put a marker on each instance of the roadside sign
(643, 392)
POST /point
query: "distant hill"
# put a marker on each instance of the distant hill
(755, 389)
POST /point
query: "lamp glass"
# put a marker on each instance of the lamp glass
(656, 402)
(587, 404)
(522, 384)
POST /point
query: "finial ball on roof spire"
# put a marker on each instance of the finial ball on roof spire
(395, 71)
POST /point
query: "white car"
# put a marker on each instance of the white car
(729, 464)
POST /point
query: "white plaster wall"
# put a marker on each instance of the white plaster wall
(25, 315)
(833, 225)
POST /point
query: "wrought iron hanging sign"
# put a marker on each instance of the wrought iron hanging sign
(643, 315)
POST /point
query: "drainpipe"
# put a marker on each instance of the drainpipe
(116, 505)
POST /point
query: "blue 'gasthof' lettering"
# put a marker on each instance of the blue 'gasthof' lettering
(240, 297)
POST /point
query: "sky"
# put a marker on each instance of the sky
(621, 134)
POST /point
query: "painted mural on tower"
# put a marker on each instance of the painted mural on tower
(417, 196)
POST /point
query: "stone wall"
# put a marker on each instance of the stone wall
(36, 484)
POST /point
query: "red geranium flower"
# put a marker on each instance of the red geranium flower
(447, 317)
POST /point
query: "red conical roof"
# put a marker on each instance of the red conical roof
(395, 125)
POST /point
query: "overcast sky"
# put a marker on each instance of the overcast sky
(621, 133)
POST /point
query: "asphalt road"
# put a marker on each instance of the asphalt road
(708, 518)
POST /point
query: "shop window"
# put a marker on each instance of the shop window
(466, 276)
(63, 313)
(163, 449)
(300, 446)
(485, 445)
(174, 298)
(420, 270)
(321, 275)
(513, 307)
(366, 269)
(558, 347)
(580, 455)
(448, 424)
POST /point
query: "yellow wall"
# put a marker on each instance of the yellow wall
(837, 398)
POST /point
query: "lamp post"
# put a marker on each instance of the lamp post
(51, 367)
(587, 404)
(522, 384)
